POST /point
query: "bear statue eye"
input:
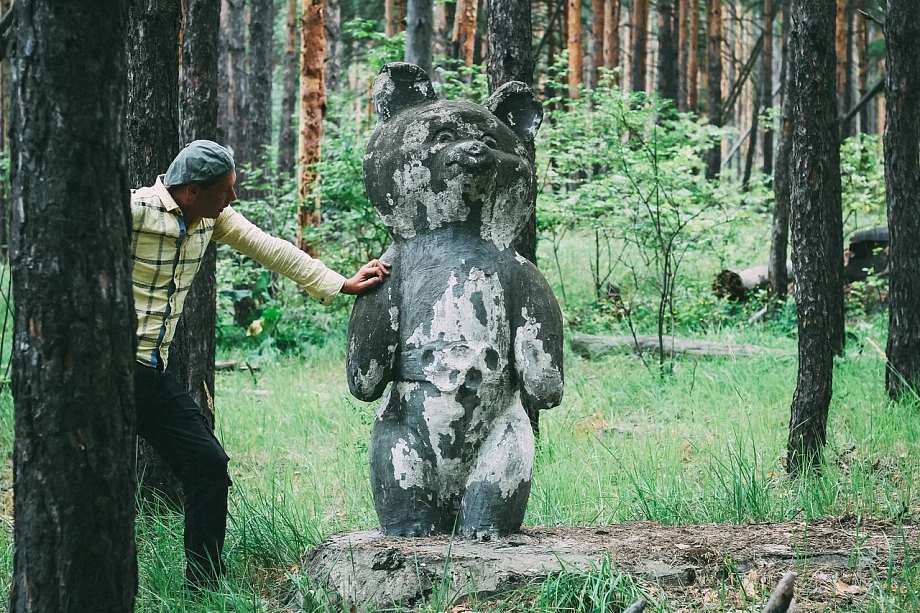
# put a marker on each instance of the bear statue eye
(445, 136)
(489, 142)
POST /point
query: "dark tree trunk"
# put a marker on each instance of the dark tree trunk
(779, 243)
(73, 457)
(714, 97)
(287, 140)
(815, 180)
(420, 33)
(902, 177)
(766, 77)
(683, 45)
(597, 31)
(668, 51)
(693, 58)
(236, 41)
(191, 356)
(260, 79)
(4, 128)
(639, 45)
(333, 46)
(510, 59)
(224, 118)
(751, 150)
(153, 142)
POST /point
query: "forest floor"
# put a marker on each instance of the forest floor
(839, 562)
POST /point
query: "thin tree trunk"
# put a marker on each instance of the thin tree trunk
(334, 44)
(815, 183)
(440, 37)
(549, 91)
(714, 97)
(287, 140)
(766, 87)
(153, 138)
(639, 45)
(224, 102)
(597, 29)
(575, 47)
(668, 52)
(862, 61)
(465, 21)
(419, 33)
(683, 43)
(312, 111)
(693, 58)
(902, 177)
(389, 17)
(482, 33)
(779, 243)
(191, 355)
(260, 79)
(73, 454)
(612, 35)
(236, 41)
(840, 47)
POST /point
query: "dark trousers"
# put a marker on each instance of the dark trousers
(172, 423)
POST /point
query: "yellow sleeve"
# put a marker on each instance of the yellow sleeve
(321, 283)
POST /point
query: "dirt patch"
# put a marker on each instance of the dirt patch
(711, 567)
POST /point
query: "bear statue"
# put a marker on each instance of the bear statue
(467, 331)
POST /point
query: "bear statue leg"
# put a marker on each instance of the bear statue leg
(497, 491)
(404, 479)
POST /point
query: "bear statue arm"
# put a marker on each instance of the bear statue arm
(373, 337)
(536, 325)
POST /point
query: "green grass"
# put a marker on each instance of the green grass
(704, 444)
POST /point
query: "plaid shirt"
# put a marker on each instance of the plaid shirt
(165, 255)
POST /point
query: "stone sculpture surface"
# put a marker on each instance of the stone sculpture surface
(467, 331)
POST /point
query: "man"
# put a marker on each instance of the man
(173, 222)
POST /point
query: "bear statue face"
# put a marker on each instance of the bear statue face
(435, 164)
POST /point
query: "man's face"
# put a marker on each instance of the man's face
(212, 200)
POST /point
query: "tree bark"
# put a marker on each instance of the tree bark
(287, 139)
(668, 52)
(612, 35)
(420, 33)
(312, 111)
(223, 76)
(779, 243)
(714, 96)
(766, 85)
(73, 456)
(840, 53)
(464, 35)
(4, 129)
(333, 46)
(683, 44)
(862, 61)
(441, 34)
(597, 30)
(815, 181)
(153, 137)
(639, 45)
(389, 17)
(261, 40)
(575, 46)
(693, 58)
(902, 177)
(236, 42)
(191, 355)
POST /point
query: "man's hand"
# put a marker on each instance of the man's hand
(367, 277)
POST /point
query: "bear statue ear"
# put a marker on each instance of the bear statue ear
(516, 106)
(400, 86)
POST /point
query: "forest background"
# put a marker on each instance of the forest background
(652, 181)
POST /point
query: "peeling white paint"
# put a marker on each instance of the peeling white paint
(394, 317)
(532, 360)
(408, 467)
(507, 457)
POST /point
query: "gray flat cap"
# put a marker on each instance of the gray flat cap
(201, 161)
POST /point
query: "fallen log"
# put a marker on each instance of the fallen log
(737, 286)
(593, 346)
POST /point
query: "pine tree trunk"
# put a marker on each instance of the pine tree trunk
(419, 33)
(236, 41)
(779, 239)
(668, 52)
(639, 45)
(683, 44)
(73, 455)
(815, 181)
(840, 53)
(312, 111)
(693, 58)
(714, 96)
(575, 46)
(191, 355)
(766, 93)
(4, 128)
(481, 52)
(862, 60)
(441, 33)
(223, 76)
(153, 142)
(389, 17)
(260, 79)
(612, 35)
(287, 139)
(597, 30)
(333, 45)
(902, 177)
(464, 35)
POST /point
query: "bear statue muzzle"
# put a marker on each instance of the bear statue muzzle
(470, 155)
